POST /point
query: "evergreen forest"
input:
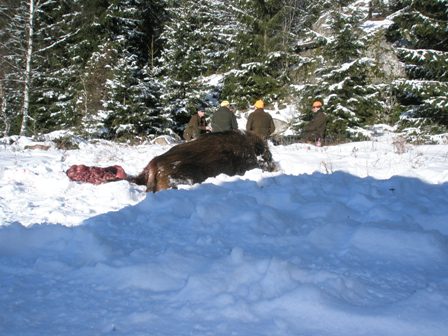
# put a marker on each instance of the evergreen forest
(129, 70)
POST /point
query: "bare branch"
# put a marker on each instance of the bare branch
(63, 38)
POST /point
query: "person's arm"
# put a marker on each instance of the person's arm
(195, 125)
(272, 127)
(234, 122)
(192, 123)
(249, 123)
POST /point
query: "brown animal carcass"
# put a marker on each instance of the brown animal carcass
(229, 152)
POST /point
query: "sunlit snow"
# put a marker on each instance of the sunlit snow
(344, 240)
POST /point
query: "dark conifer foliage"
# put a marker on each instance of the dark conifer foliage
(91, 65)
(342, 72)
(420, 34)
(10, 62)
(263, 50)
(132, 69)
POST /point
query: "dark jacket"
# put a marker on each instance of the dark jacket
(224, 120)
(316, 127)
(261, 123)
(195, 127)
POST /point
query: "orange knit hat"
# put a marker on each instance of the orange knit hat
(259, 104)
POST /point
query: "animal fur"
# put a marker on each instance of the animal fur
(229, 152)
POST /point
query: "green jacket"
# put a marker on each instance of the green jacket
(316, 127)
(223, 120)
(261, 123)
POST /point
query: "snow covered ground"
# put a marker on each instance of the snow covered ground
(345, 240)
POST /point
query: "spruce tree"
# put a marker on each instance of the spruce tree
(89, 65)
(37, 35)
(341, 73)
(263, 50)
(117, 97)
(11, 61)
(420, 35)
(195, 46)
(128, 99)
(56, 67)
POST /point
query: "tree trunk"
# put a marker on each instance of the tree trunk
(27, 82)
(3, 114)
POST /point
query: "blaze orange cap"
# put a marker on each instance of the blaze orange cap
(259, 104)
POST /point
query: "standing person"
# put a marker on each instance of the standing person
(314, 132)
(196, 126)
(224, 119)
(260, 122)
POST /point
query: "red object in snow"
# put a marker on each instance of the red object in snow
(96, 175)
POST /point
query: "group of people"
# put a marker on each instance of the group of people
(259, 121)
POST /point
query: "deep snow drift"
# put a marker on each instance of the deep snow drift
(345, 240)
